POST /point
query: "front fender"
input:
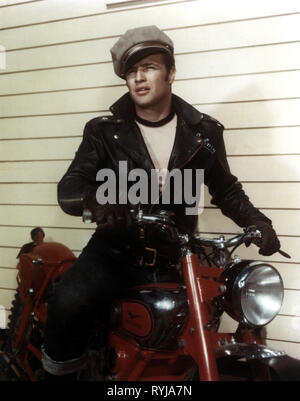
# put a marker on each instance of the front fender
(284, 367)
(248, 351)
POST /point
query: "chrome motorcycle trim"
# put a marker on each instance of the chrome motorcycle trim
(37, 261)
(248, 351)
(60, 368)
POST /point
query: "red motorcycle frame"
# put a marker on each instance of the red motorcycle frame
(199, 343)
(159, 331)
(37, 272)
(198, 351)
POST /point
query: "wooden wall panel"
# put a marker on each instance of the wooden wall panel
(188, 66)
(8, 278)
(51, 10)
(6, 297)
(237, 62)
(279, 85)
(241, 115)
(282, 195)
(213, 43)
(180, 14)
(211, 220)
(8, 254)
(46, 126)
(254, 114)
(290, 348)
(73, 238)
(272, 168)
(33, 194)
(238, 143)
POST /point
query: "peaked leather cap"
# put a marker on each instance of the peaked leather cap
(138, 43)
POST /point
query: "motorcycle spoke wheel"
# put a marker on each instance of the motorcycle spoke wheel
(13, 323)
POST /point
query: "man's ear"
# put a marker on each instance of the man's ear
(172, 74)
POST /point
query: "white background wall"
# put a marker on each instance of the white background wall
(236, 60)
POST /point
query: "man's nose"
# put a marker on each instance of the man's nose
(140, 75)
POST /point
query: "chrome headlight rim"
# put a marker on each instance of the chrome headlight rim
(233, 276)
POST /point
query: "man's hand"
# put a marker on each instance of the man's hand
(115, 217)
(269, 242)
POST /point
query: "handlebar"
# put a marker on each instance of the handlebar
(162, 218)
(251, 234)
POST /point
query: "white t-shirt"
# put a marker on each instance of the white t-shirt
(159, 141)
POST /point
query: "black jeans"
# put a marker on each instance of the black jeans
(101, 273)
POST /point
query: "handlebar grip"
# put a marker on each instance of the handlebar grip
(257, 242)
(256, 239)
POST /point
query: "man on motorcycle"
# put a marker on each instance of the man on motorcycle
(150, 128)
(37, 236)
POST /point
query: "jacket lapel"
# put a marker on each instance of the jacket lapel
(129, 136)
(188, 139)
(132, 143)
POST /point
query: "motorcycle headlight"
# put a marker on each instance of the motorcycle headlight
(254, 292)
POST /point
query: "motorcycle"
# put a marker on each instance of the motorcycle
(165, 331)
(20, 354)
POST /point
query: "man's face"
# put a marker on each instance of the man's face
(149, 83)
(39, 237)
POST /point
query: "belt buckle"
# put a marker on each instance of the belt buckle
(154, 256)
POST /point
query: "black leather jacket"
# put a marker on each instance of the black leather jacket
(198, 144)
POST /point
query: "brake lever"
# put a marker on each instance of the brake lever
(286, 255)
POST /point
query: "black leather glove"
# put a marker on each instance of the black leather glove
(117, 217)
(112, 217)
(269, 242)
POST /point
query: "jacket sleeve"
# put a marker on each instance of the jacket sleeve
(80, 179)
(227, 192)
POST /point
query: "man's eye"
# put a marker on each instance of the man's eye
(129, 73)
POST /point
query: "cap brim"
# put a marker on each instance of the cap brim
(139, 55)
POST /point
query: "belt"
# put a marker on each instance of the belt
(144, 257)
(151, 257)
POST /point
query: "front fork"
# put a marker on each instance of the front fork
(200, 315)
(202, 287)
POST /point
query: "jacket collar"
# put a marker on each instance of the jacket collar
(187, 141)
(124, 109)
